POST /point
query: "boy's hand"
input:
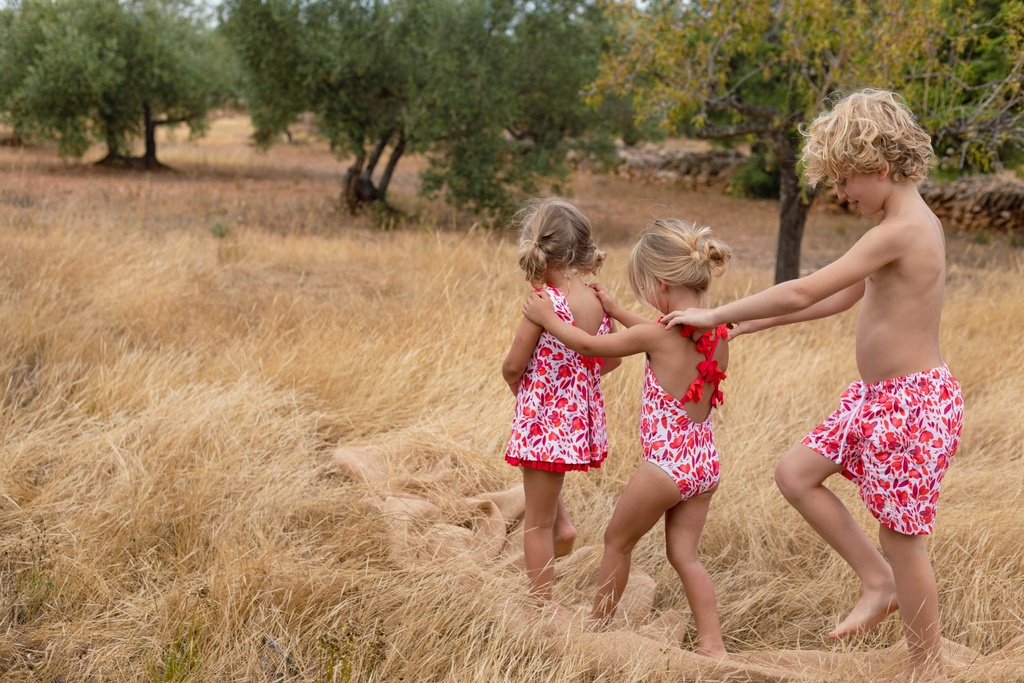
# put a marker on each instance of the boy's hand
(538, 308)
(607, 300)
(701, 318)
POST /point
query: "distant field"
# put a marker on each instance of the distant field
(182, 355)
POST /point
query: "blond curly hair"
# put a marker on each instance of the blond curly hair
(863, 133)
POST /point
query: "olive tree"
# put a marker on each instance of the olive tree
(488, 90)
(755, 70)
(107, 71)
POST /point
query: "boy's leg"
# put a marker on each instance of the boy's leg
(542, 490)
(648, 494)
(918, 599)
(800, 476)
(683, 526)
(564, 531)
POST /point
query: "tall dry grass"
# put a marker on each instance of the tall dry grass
(180, 355)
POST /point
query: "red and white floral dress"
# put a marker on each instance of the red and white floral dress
(559, 422)
(684, 449)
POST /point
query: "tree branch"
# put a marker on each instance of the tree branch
(718, 132)
(757, 111)
(173, 122)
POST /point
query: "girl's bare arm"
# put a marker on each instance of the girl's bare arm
(611, 307)
(610, 363)
(637, 339)
(519, 354)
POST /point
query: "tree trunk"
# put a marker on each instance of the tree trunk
(114, 151)
(385, 180)
(149, 158)
(358, 184)
(793, 207)
(357, 189)
(371, 165)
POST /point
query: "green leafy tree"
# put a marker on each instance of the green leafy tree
(488, 90)
(108, 71)
(757, 70)
(976, 113)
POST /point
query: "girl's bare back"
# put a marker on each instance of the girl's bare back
(675, 365)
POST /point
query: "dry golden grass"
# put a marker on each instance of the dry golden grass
(181, 354)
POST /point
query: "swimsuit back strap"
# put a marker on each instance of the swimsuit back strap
(714, 344)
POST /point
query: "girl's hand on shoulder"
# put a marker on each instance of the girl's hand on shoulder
(607, 300)
(701, 318)
(538, 307)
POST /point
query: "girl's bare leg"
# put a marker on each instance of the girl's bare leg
(646, 497)
(564, 531)
(683, 526)
(543, 493)
(800, 475)
(919, 602)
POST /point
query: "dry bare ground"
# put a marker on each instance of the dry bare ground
(247, 438)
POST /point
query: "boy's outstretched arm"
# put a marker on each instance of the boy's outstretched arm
(837, 303)
(789, 301)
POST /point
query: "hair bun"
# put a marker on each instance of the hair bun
(716, 255)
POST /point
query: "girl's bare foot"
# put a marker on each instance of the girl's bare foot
(714, 653)
(870, 610)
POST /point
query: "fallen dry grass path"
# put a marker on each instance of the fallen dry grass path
(182, 356)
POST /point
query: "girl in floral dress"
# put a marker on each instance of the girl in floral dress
(671, 265)
(559, 423)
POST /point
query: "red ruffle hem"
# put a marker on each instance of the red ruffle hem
(553, 466)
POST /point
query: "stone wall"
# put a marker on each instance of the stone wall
(652, 164)
(972, 203)
(692, 168)
(976, 203)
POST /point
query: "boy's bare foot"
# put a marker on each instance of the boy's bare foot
(714, 653)
(870, 610)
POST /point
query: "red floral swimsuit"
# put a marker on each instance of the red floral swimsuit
(684, 449)
(559, 422)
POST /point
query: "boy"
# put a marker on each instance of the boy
(897, 429)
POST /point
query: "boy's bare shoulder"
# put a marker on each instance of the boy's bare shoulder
(913, 249)
(906, 230)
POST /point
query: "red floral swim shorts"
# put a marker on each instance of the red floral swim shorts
(895, 439)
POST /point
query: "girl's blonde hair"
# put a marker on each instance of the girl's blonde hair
(675, 252)
(862, 133)
(553, 232)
